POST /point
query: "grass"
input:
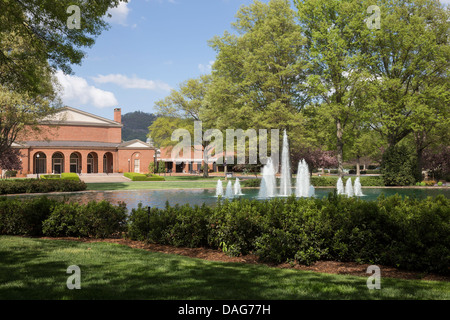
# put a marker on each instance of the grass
(172, 182)
(36, 269)
(151, 185)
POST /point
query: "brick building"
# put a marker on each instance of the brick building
(76, 141)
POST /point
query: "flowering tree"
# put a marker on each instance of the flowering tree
(10, 160)
(437, 162)
(316, 158)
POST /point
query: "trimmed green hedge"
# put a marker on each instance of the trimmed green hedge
(63, 176)
(44, 217)
(325, 181)
(143, 177)
(406, 233)
(40, 186)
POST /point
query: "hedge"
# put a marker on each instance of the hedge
(325, 181)
(44, 217)
(63, 176)
(40, 186)
(143, 177)
(407, 233)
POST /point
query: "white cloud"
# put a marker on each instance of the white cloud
(133, 82)
(205, 68)
(76, 90)
(119, 14)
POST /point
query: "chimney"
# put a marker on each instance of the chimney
(117, 115)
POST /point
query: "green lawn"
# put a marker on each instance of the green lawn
(137, 185)
(36, 269)
(172, 182)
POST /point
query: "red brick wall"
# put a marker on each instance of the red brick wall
(73, 133)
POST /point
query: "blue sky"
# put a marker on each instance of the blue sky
(151, 47)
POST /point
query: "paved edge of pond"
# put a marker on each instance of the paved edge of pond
(200, 188)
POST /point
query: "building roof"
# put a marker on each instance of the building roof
(72, 116)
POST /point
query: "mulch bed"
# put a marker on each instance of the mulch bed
(332, 267)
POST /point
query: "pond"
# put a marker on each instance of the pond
(158, 198)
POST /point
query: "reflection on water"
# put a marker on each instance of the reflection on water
(158, 198)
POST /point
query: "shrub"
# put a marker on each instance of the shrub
(181, 226)
(70, 176)
(24, 217)
(251, 183)
(407, 233)
(398, 167)
(96, 220)
(142, 177)
(40, 186)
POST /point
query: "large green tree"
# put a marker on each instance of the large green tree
(43, 28)
(409, 67)
(179, 110)
(36, 38)
(336, 77)
(258, 72)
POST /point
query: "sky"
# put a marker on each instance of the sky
(151, 47)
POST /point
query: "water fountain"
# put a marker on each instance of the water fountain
(237, 188)
(340, 186)
(219, 188)
(349, 188)
(268, 181)
(303, 187)
(285, 182)
(358, 188)
(229, 190)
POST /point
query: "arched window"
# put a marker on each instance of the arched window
(57, 163)
(40, 163)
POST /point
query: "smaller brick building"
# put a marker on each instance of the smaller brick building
(76, 141)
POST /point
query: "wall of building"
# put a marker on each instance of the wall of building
(73, 133)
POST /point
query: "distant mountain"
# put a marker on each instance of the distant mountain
(135, 125)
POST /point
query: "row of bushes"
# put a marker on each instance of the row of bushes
(143, 177)
(410, 234)
(42, 216)
(324, 181)
(63, 176)
(407, 233)
(40, 186)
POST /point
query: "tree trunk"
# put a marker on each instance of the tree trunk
(358, 163)
(205, 165)
(340, 148)
(419, 165)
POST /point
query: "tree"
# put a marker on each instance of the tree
(258, 72)
(337, 77)
(179, 110)
(438, 162)
(410, 60)
(35, 40)
(10, 160)
(42, 27)
(18, 111)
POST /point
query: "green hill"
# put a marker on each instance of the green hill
(135, 125)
